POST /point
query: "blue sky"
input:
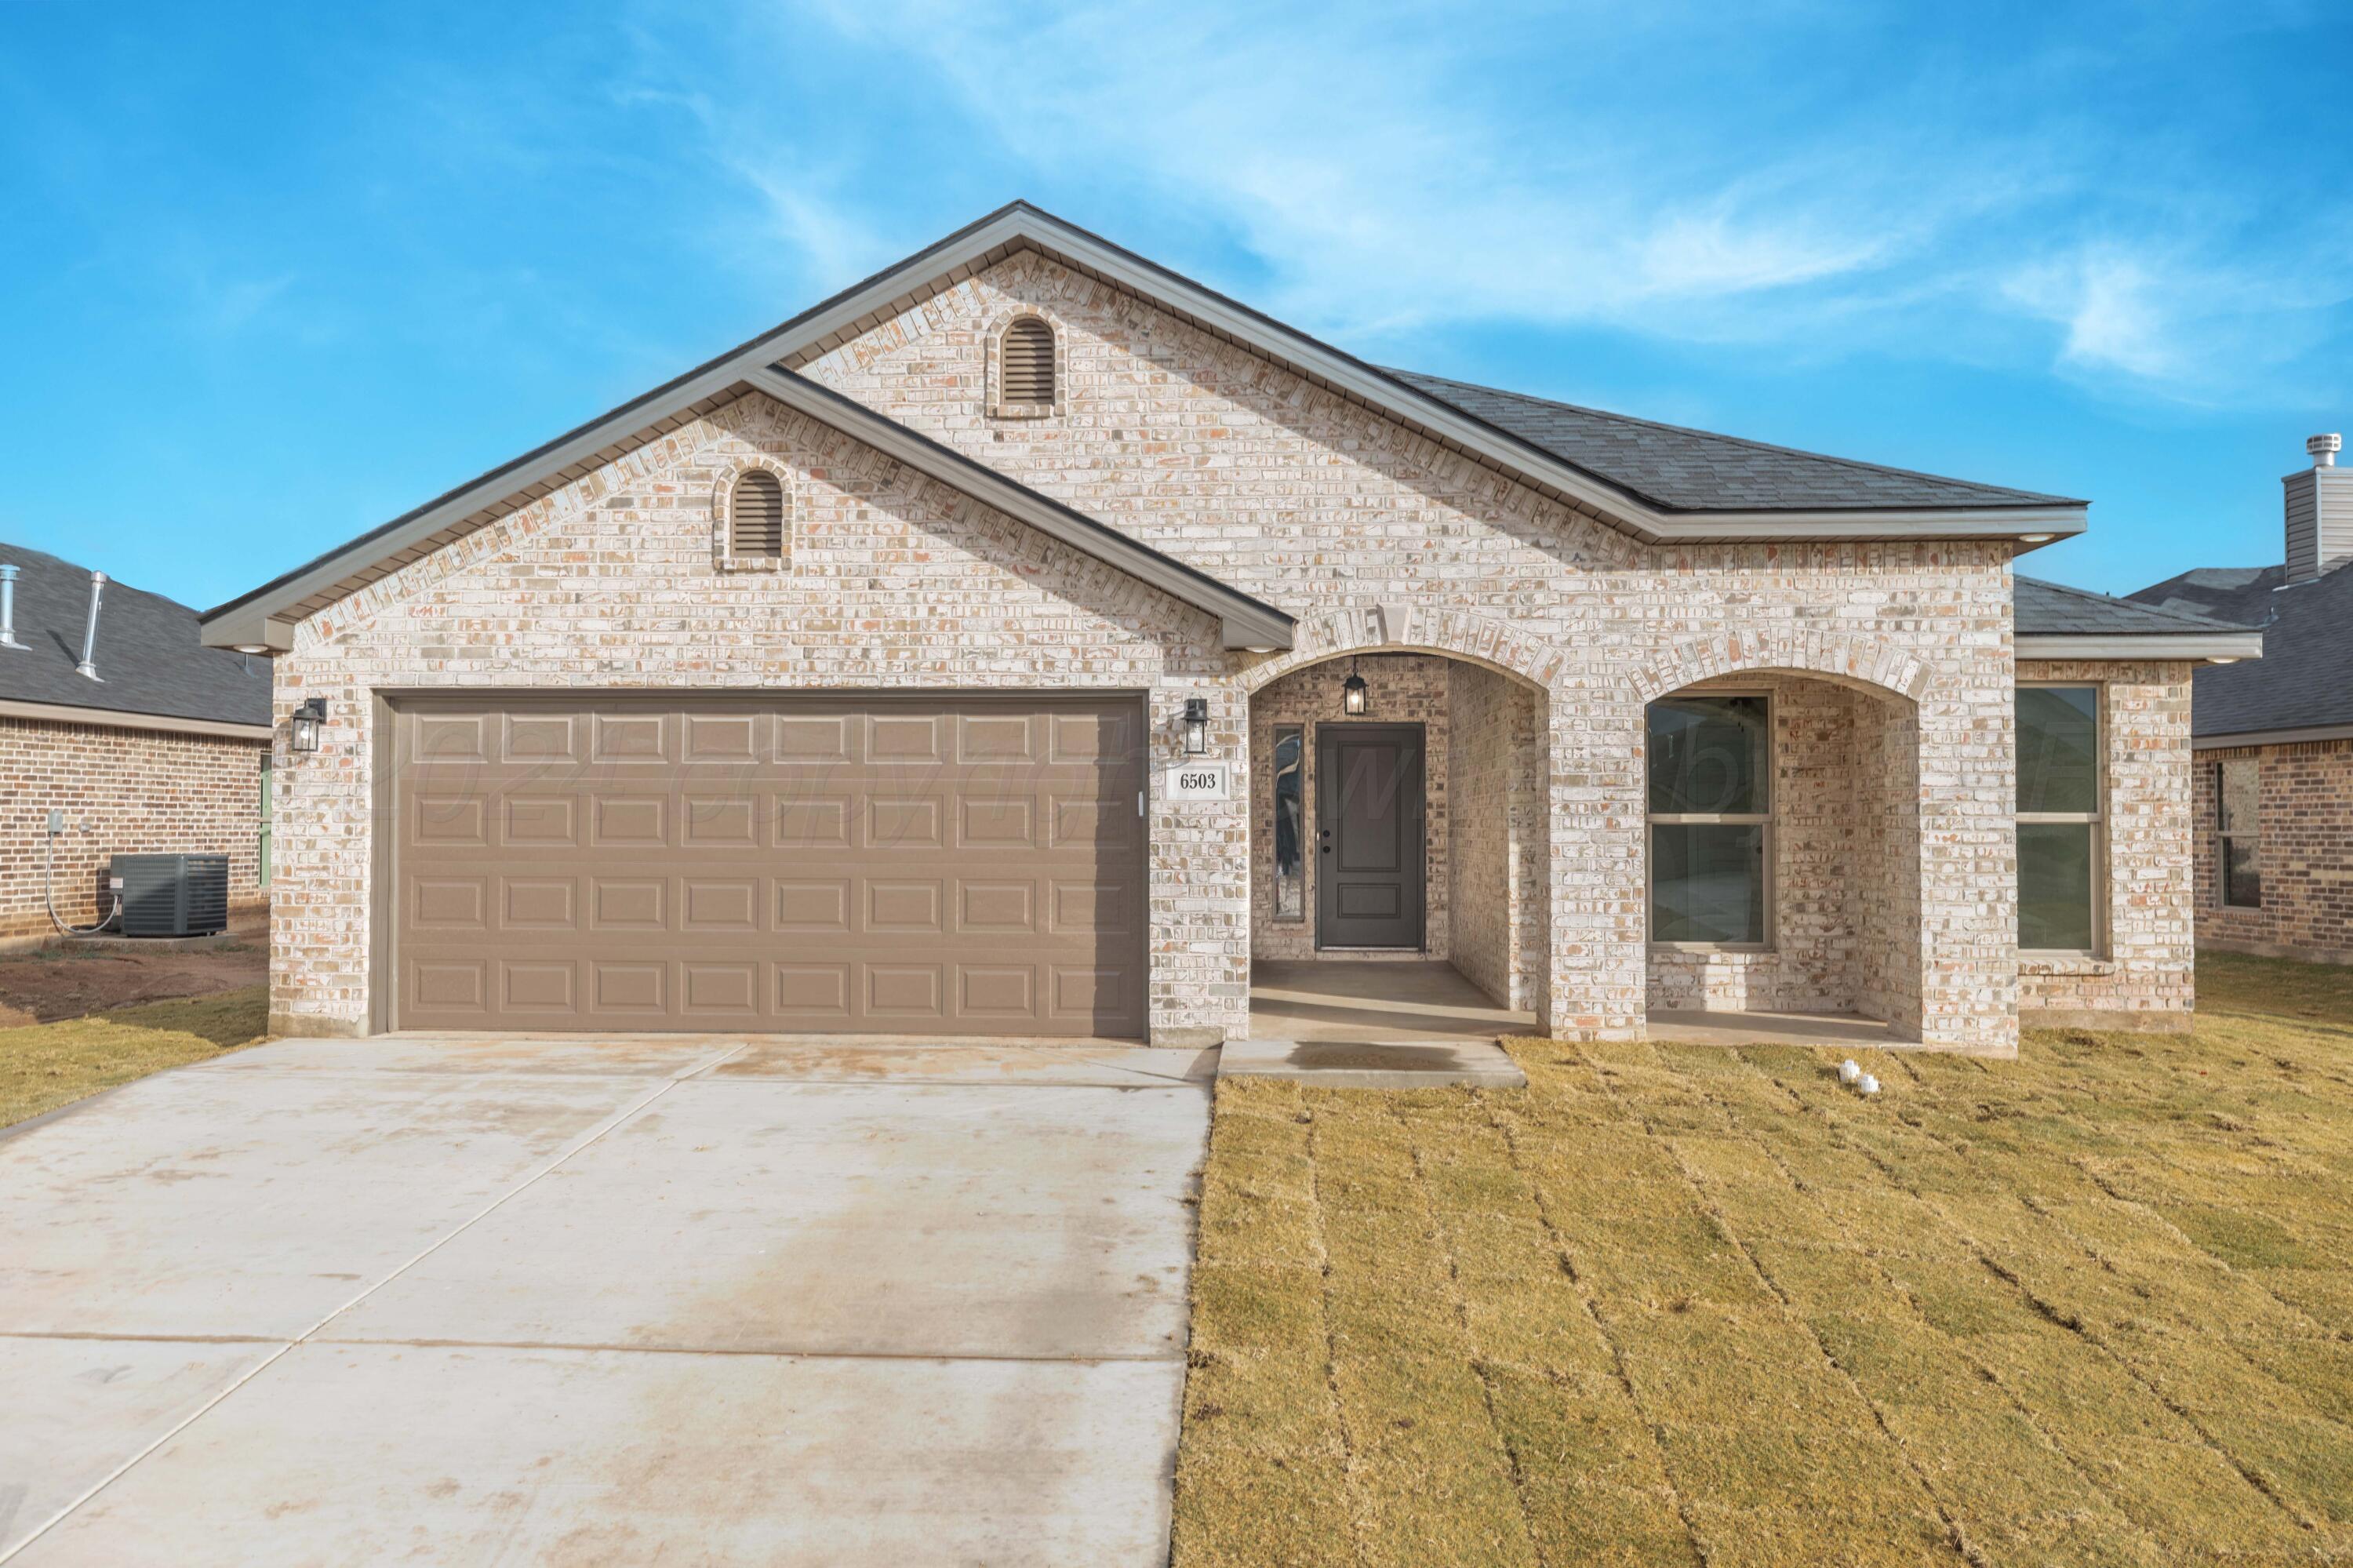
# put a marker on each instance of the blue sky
(271, 275)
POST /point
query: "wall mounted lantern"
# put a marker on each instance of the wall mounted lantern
(308, 718)
(1197, 726)
(1352, 691)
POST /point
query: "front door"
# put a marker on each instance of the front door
(1369, 856)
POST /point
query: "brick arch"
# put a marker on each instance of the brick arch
(1848, 658)
(1412, 628)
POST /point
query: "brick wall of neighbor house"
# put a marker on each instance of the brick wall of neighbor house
(2146, 976)
(2306, 845)
(1375, 539)
(1844, 843)
(1495, 862)
(123, 791)
(1408, 689)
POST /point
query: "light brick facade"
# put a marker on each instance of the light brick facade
(2144, 974)
(1378, 540)
(123, 791)
(2305, 838)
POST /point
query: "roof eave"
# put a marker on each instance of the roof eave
(2300, 736)
(2223, 646)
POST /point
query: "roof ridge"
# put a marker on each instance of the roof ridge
(1747, 442)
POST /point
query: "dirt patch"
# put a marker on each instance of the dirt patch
(73, 980)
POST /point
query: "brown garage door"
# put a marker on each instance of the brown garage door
(960, 863)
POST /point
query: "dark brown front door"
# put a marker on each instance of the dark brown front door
(1369, 856)
(948, 863)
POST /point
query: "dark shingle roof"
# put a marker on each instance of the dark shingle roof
(2053, 609)
(1680, 470)
(2305, 679)
(148, 659)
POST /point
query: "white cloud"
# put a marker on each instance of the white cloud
(1391, 171)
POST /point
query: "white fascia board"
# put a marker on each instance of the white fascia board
(2194, 645)
(2272, 737)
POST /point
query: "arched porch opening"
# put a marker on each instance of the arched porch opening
(1399, 846)
(1782, 859)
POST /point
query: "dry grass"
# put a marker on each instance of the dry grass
(44, 1066)
(1685, 1304)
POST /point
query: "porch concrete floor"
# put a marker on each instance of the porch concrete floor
(1373, 1023)
(1696, 1026)
(1373, 1001)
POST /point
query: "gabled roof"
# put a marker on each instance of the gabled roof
(265, 616)
(148, 659)
(2306, 680)
(1680, 470)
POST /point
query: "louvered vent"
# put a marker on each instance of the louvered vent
(1025, 363)
(757, 519)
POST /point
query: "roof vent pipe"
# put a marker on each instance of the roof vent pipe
(8, 608)
(89, 633)
(2324, 448)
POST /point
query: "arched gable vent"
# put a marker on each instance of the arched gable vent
(756, 517)
(1026, 366)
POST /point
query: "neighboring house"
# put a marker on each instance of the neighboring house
(158, 743)
(2275, 740)
(977, 654)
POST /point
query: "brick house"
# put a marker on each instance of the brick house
(163, 745)
(2273, 741)
(1028, 639)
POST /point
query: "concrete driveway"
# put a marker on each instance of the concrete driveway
(685, 1301)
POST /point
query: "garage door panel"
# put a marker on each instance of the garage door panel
(539, 822)
(995, 906)
(540, 986)
(539, 904)
(719, 904)
(639, 904)
(721, 822)
(443, 903)
(808, 821)
(540, 738)
(902, 908)
(633, 738)
(438, 818)
(849, 863)
(815, 994)
(813, 906)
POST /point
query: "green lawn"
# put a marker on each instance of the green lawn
(1685, 1305)
(44, 1066)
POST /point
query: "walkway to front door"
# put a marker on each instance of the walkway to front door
(596, 1301)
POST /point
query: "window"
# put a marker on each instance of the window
(2058, 848)
(261, 838)
(756, 519)
(1711, 819)
(1025, 367)
(1290, 825)
(2239, 822)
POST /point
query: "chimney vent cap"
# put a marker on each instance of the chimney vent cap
(2324, 448)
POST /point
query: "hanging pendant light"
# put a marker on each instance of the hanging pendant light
(1353, 691)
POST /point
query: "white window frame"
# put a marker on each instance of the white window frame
(1771, 779)
(2224, 832)
(2098, 817)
